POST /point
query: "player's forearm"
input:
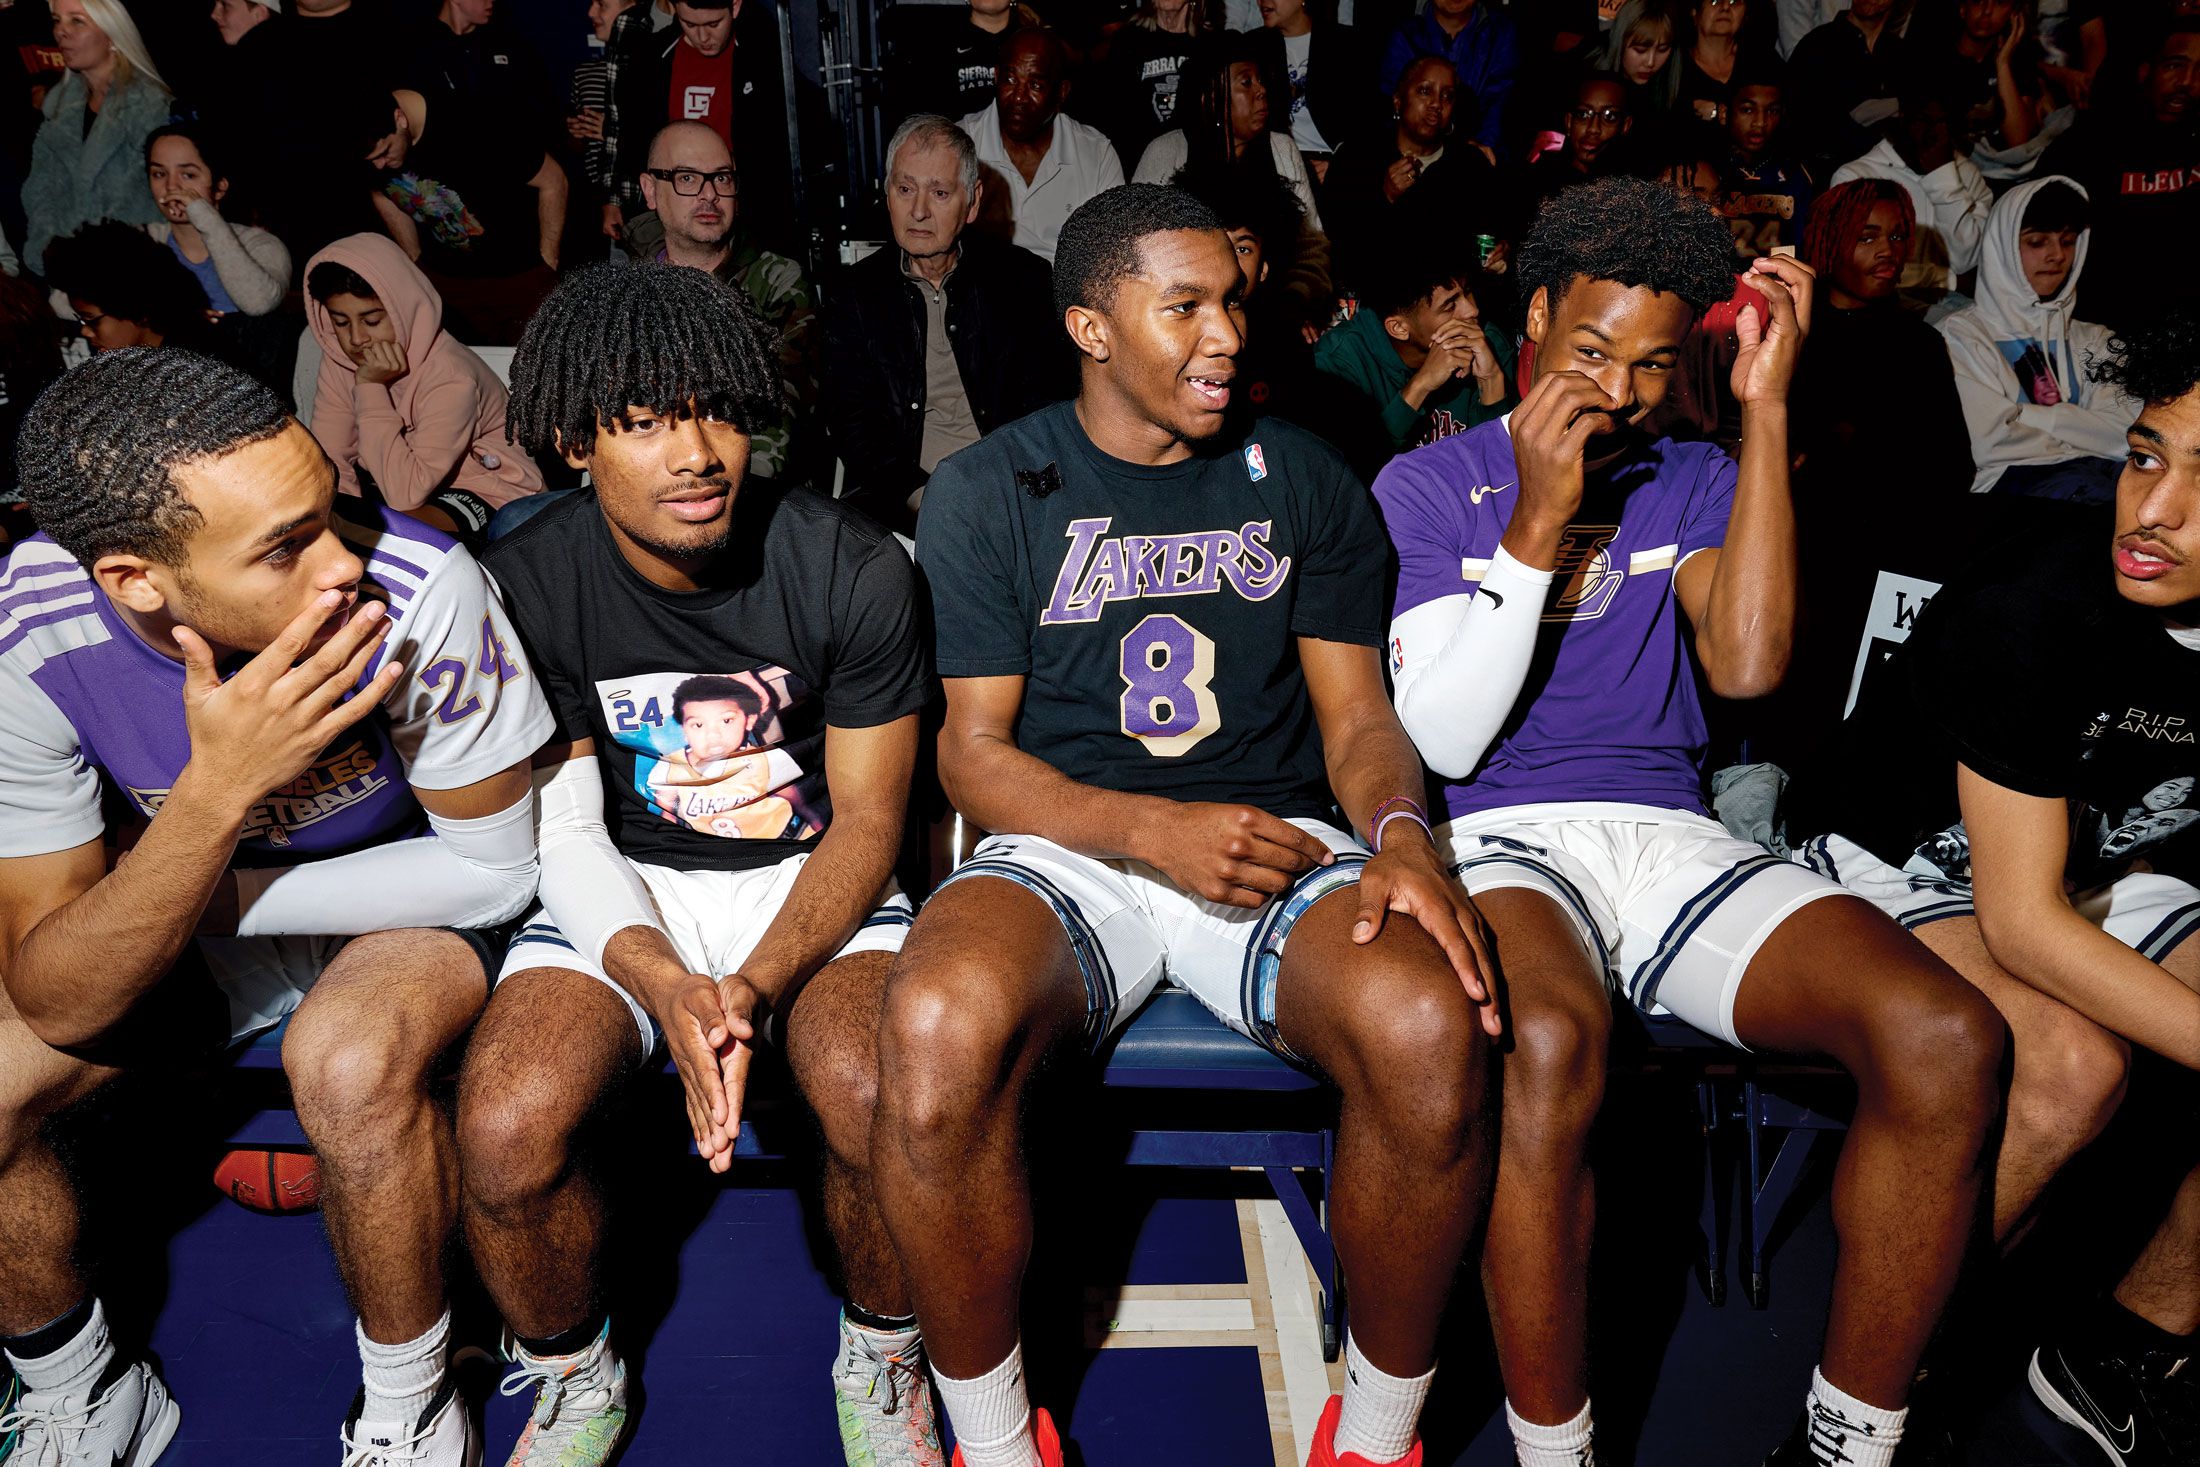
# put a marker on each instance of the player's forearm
(641, 960)
(1750, 625)
(474, 873)
(1371, 760)
(1000, 788)
(80, 971)
(837, 888)
(2055, 949)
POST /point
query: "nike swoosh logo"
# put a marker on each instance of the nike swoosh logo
(1481, 492)
(1495, 598)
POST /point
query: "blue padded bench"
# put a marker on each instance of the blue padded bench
(1174, 1043)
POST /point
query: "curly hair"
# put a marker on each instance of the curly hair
(661, 337)
(2157, 363)
(1266, 206)
(120, 269)
(1632, 232)
(1099, 242)
(97, 455)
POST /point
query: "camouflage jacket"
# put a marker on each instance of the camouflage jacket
(781, 294)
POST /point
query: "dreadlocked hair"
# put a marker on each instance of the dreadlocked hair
(97, 454)
(616, 337)
(2157, 363)
(1838, 215)
(1632, 232)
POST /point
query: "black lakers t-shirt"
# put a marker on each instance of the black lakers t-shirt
(1153, 611)
(2033, 671)
(709, 708)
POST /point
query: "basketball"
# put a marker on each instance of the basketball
(274, 1181)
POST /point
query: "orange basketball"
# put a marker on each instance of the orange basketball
(270, 1181)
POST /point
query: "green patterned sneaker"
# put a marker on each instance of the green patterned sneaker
(580, 1415)
(887, 1418)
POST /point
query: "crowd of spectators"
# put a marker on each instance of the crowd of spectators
(1377, 159)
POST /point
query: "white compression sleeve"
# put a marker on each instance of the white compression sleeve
(474, 873)
(1462, 661)
(590, 890)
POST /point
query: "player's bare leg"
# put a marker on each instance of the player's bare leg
(361, 1052)
(2066, 1082)
(1925, 1049)
(1390, 1025)
(1535, 1260)
(552, 1047)
(985, 987)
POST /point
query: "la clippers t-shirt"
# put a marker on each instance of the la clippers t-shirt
(1153, 611)
(709, 708)
(1610, 710)
(2033, 670)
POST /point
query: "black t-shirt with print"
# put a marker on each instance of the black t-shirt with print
(709, 708)
(2034, 672)
(1153, 611)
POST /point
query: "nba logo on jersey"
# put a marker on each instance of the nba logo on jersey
(1255, 463)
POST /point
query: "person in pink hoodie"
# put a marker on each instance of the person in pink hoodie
(400, 405)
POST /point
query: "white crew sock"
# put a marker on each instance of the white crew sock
(1568, 1444)
(76, 1365)
(402, 1379)
(992, 1415)
(1380, 1411)
(1846, 1431)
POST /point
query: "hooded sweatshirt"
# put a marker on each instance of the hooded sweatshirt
(441, 425)
(2020, 361)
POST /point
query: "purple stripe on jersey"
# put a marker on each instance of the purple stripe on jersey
(382, 557)
(400, 593)
(29, 624)
(10, 600)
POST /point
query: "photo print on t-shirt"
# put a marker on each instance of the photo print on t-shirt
(708, 751)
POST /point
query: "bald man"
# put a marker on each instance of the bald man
(693, 191)
(1038, 165)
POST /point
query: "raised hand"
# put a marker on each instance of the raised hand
(1551, 431)
(1764, 367)
(1232, 855)
(264, 726)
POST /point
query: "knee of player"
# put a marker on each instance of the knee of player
(2071, 1078)
(1415, 1045)
(842, 1089)
(514, 1142)
(1556, 1063)
(339, 1070)
(943, 1049)
(1938, 1052)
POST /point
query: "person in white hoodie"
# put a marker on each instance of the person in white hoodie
(2039, 425)
(1919, 151)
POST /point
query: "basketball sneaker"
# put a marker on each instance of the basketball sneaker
(442, 1436)
(125, 1419)
(1042, 1429)
(1325, 1452)
(11, 1386)
(887, 1416)
(2139, 1411)
(580, 1415)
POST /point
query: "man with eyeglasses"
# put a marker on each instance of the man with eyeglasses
(1596, 119)
(693, 191)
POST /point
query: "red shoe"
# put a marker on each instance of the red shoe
(1050, 1441)
(1325, 1444)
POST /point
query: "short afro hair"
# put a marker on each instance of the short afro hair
(713, 687)
(122, 270)
(2157, 363)
(648, 335)
(1099, 242)
(97, 453)
(1632, 232)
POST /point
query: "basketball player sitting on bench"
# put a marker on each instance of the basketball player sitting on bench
(186, 642)
(1564, 579)
(736, 672)
(1159, 630)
